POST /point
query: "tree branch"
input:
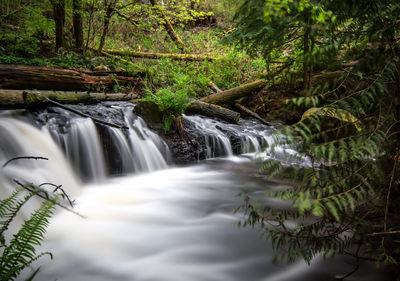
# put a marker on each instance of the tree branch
(87, 116)
(24, 157)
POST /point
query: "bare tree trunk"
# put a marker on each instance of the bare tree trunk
(78, 25)
(306, 52)
(109, 7)
(59, 18)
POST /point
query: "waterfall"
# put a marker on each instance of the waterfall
(220, 137)
(20, 139)
(145, 144)
(82, 147)
(179, 221)
(96, 151)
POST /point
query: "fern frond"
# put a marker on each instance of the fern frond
(21, 250)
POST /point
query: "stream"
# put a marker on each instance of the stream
(145, 217)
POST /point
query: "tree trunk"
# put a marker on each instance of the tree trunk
(109, 11)
(23, 98)
(46, 78)
(306, 51)
(145, 55)
(211, 110)
(91, 10)
(168, 26)
(229, 96)
(78, 25)
(59, 18)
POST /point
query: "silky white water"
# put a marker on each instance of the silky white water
(171, 225)
(175, 224)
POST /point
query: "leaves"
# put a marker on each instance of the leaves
(20, 252)
(337, 113)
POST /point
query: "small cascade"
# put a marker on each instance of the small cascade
(217, 143)
(222, 139)
(146, 146)
(96, 151)
(20, 139)
(81, 145)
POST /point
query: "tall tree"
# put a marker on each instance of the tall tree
(78, 24)
(109, 8)
(59, 18)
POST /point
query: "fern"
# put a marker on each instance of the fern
(20, 252)
(9, 209)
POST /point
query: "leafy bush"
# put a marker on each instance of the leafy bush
(171, 103)
(20, 44)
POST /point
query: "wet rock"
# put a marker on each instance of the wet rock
(151, 114)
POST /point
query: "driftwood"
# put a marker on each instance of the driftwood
(251, 113)
(146, 55)
(229, 96)
(49, 78)
(20, 98)
(211, 110)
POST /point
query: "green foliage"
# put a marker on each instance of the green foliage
(171, 103)
(345, 188)
(19, 253)
(349, 190)
(19, 44)
(30, 38)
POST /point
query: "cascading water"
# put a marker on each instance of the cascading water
(145, 145)
(217, 143)
(137, 149)
(19, 139)
(220, 137)
(171, 224)
(82, 147)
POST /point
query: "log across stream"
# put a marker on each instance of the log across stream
(148, 219)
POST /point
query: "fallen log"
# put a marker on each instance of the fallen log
(26, 98)
(146, 55)
(20, 77)
(215, 88)
(251, 113)
(229, 96)
(211, 110)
